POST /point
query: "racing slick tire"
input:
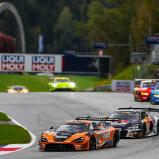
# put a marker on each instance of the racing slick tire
(157, 128)
(49, 89)
(115, 139)
(92, 143)
(152, 102)
(143, 130)
(151, 126)
(135, 99)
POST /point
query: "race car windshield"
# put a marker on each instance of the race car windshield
(147, 84)
(74, 128)
(62, 80)
(157, 86)
(17, 87)
(125, 115)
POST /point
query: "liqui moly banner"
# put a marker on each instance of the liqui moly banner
(12, 63)
(30, 63)
(43, 63)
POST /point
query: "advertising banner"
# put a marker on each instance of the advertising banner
(43, 63)
(30, 63)
(123, 86)
(14, 63)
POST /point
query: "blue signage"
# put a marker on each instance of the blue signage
(152, 39)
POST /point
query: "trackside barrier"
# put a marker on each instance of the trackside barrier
(122, 86)
(30, 63)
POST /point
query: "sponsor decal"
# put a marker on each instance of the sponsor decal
(58, 137)
(43, 63)
(12, 62)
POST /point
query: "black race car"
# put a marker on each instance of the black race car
(136, 122)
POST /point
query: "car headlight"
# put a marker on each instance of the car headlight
(133, 127)
(25, 91)
(72, 84)
(54, 84)
(43, 139)
(144, 93)
(79, 139)
(156, 95)
(11, 91)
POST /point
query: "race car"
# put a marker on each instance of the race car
(142, 91)
(61, 83)
(154, 95)
(136, 122)
(17, 89)
(83, 133)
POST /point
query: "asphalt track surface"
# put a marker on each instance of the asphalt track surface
(39, 111)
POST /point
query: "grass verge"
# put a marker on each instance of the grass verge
(40, 83)
(4, 117)
(13, 134)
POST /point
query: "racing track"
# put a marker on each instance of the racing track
(39, 111)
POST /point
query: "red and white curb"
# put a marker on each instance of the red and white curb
(6, 149)
(11, 148)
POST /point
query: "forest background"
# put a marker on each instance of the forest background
(77, 24)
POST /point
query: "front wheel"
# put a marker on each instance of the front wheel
(135, 99)
(115, 139)
(152, 102)
(92, 143)
(157, 128)
(144, 130)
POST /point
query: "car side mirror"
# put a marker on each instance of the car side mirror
(51, 127)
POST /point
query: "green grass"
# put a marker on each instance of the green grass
(125, 74)
(84, 82)
(4, 117)
(40, 83)
(13, 134)
(130, 73)
(33, 83)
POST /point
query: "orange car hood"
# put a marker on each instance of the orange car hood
(50, 135)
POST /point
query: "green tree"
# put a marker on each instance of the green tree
(142, 22)
(64, 30)
(110, 25)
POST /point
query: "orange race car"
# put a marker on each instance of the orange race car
(83, 133)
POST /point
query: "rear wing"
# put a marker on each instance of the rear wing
(96, 119)
(138, 108)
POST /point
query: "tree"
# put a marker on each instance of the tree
(142, 22)
(64, 30)
(110, 25)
